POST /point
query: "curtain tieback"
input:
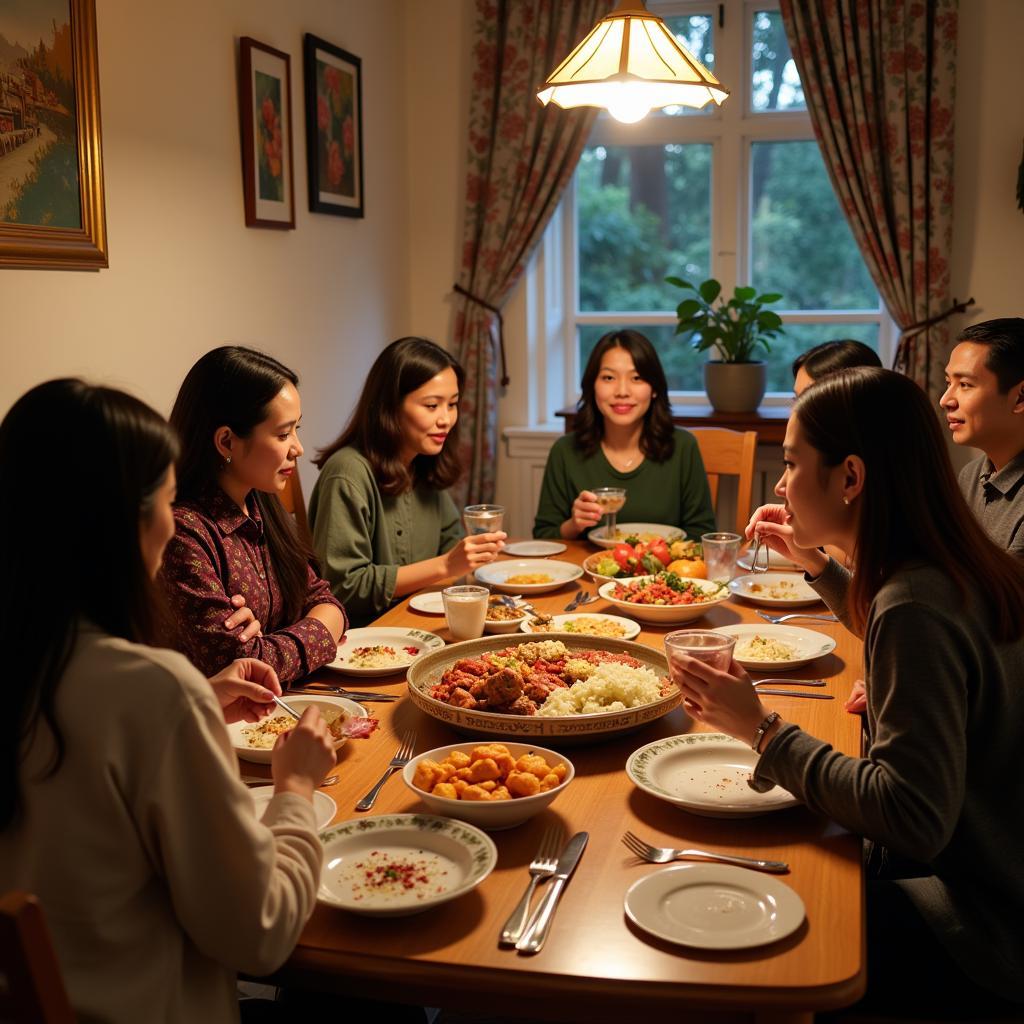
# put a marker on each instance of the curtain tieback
(505, 379)
(907, 335)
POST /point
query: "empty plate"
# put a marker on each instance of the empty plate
(714, 906)
(533, 548)
(429, 604)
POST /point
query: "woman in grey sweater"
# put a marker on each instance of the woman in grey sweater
(941, 610)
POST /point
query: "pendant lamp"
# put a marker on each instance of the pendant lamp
(630, 63)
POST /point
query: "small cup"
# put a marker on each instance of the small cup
(483, 518)
(720, 551)
(465, 607)
(714, 649)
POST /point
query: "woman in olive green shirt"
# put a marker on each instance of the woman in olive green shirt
(382, 520)
(624, 437)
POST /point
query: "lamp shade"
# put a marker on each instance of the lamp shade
(630, 63)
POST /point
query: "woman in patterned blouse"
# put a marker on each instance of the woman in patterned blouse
(238, 578)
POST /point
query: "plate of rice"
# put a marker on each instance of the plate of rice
(572, 687)
(765, 648)
(775, 589)
(382, 650)
(614, 627)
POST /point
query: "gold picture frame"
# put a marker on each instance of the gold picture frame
(36, 244)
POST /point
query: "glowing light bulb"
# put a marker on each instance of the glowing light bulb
(629, 105)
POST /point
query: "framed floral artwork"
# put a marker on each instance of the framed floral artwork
(265, 106)
(334, 128)
(52, 212)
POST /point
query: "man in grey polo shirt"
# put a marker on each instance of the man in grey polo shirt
(984, 405)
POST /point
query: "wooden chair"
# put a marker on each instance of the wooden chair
(729, 453)
(31, 987)
(291, 498)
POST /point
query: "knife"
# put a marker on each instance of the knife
(537, 928)
(795, 693)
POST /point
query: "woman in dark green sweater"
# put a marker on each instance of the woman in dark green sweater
(624, 437)
(941, 610)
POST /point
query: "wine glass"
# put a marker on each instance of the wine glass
(611, 499)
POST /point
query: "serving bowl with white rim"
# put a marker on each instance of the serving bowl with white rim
(705, 773)
(599, 536)
(490, 815)
(398, 637)
(807, 644)
(754, 587)
(508, 625)
(330, 708)
(495, 574)
(323, 806)
(562, 730)
(666, 614)
(629, 628)
(455, 856)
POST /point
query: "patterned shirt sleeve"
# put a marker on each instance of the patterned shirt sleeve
(315, 639)
(192, 573)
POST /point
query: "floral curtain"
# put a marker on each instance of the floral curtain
(521, 156)
(879, 78)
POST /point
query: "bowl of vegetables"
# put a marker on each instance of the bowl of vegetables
(634, 557)
(664, 598)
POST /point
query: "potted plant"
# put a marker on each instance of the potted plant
(736, 329)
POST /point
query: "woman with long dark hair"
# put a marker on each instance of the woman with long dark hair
(237, 575)
(941, 611)
(624, 437)
(829, 356)
(383, 522)
(120, 803)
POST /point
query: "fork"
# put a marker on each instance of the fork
(340, 691)
(542, 866)
(403, 755)
(579, 600)
(776, 620)
(663, 854)
(790, 682)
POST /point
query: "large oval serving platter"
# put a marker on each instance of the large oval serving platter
(427, 670)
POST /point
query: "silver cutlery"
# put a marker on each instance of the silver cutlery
(663, 854)
(257, 780)
(759, 546)
(536, 930)
(403, 755)
(777, 620)
(340, 691)
(542, 866)
(790, 682)
(579, 600)
(281, 704)
(797, 693)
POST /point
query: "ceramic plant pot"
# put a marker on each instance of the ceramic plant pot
(735, 387)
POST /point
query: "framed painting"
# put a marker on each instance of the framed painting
(52, 213)
(265, 106)
(334, 128)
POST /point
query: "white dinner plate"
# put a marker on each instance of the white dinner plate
(430, 604)
(383, 636)
(705, 773)
(261, 755)
(807, 644)
(558, 625)
(323, 806)
(714, 906)
(533, 548)
(496, 574)
(454, 856)
(775, 561)
(624, 530)
(755, 588)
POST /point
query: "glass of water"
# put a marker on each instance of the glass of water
(720, 551)
(483, 518)
(714, 649)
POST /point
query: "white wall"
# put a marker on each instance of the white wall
(185, 273)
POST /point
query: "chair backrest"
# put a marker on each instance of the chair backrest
(291, 498)
(729, 453)
(31, 987)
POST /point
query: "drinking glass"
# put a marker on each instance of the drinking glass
(483, 518)
(720, 551)
(714, 649)
(465, 607)
(611, 499)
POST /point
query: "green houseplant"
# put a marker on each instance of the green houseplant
(736, 329)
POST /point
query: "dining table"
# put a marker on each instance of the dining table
(596, 964)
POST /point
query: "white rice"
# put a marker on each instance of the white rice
(611, 687)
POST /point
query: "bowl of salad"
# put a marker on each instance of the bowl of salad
(634, 557)
(665, 597)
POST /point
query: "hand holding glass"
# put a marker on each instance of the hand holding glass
(611, 499)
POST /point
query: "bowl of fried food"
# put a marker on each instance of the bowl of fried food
(504, 615)
(491, 785)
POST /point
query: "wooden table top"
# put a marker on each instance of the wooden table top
(596, 965)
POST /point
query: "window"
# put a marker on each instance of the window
(739, 193)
